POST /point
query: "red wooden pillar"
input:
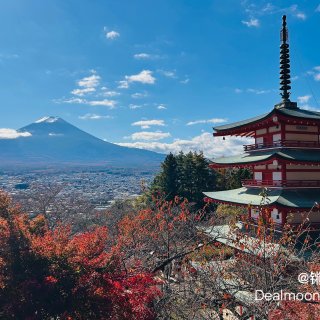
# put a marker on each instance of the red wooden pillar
(284, 171)
(283, 131)
(284, 216)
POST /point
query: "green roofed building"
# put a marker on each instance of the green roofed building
(284, 158)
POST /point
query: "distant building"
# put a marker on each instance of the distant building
(285, 157)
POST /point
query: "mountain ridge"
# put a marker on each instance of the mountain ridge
(53, 140)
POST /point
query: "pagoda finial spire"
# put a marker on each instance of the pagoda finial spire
(284, 63)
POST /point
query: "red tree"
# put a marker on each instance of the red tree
(46, 274)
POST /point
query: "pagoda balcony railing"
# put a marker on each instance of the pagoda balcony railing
(281, 183)
(283, 144)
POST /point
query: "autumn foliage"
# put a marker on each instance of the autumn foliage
(51, 274)
(161, 234)
(158, 262)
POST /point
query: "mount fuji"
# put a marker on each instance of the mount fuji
(54, 141)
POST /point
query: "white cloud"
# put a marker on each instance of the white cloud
(168, 73)
(214, 120)
(304, 99)
(301, 16)
(268, 8)
(134, 106)
(91, 85)
(317, 8)
(185, 81)
(6, 133)
(87, 84)
(146, 56)
(254, 10)
(111, 35)
(110, 93)
(161, 107)
(82, 92)
(93, 116)
(142, 56)
(257, 91)
(90, 82)
(251, 90)
(145, 76)
(253, 22)
(212, 147)
(139, 95)
(315, 72)
(146, 124)
(150, 136)
(123, 84)
(72, 100)
(106, 103)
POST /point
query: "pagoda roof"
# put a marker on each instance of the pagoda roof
(299, 198)
(294, 155)
(287, 112)
(227, 235)
(300, 113)
(242, 123)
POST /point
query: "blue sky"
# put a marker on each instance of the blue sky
(153, 74)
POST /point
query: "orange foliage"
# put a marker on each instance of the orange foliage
(160, 232)
(46, 274)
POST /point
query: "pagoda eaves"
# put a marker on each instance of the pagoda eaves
(273, 118)
(288, 156)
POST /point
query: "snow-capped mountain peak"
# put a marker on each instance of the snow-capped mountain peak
(47, 120)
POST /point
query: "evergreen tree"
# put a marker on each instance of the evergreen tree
(185, 175)
(167, 180)
(204, 178)
(189, 175)
(231, 178)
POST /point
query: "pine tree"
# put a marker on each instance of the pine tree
(167, 181)
(204, 177)
(186, 176)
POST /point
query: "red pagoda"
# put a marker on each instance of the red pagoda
(285, 157)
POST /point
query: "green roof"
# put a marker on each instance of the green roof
(294, 198)
(241, 123)
(296, 112)
(226, 235)
(289, 154)
(301, 113)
